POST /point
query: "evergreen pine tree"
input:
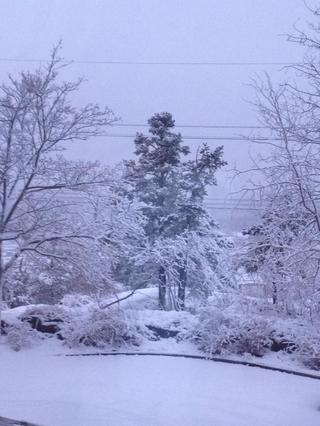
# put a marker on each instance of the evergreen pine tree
(170, 189)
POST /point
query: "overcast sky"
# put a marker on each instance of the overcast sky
(157, 30)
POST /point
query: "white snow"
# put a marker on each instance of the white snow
(140, 299)
(151, 391)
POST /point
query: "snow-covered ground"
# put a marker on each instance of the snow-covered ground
(151, 391)
(141, 308)
(50, 390)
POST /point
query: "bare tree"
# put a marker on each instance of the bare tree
(36, 120)
(108, 228)
(287, 248)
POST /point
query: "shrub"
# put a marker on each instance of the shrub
(104, 327)
(309, 348)
(21, 336)
(229, 332)
(218, 334)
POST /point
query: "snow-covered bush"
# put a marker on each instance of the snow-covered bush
(308, 346)
(217, 333)
(21, 336)
(231, 332)
(110, 327)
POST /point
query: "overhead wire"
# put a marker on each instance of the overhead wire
(211, 203)
(178, 63)
(157, 63)
(196, 126)
(200, 137)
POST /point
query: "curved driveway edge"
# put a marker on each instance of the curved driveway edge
(215, 359)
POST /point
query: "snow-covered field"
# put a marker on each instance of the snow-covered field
(49, 390)
(151, 391)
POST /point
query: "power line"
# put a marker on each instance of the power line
(233, 208)
(196, 126)
(156, 63)
(232, 200)
(233, 205)
(203, 137)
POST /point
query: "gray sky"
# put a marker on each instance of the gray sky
(157, 30)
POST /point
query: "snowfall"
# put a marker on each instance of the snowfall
(45, 386)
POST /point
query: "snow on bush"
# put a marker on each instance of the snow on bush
(216, 333)
(101, 328)
(308, 346)
(21, 336)
(231, 332)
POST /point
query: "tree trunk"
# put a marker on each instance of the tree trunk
(162, 288)
(182, 288)
(274, 294)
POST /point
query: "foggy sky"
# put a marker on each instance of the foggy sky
(157, 30)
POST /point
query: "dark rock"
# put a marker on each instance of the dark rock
(59, 336)
(163, 332)
(49, 327)
(283, 345)
(4, 328)
(87, 341)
